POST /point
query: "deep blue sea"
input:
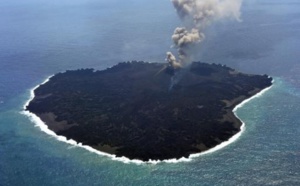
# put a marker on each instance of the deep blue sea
(39, 38)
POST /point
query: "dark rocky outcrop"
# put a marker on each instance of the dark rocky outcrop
(130, 110)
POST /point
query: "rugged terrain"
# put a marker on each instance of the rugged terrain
(146, 110)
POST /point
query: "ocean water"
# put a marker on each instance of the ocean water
(39, 38)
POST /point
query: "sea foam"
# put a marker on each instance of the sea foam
(43, 127)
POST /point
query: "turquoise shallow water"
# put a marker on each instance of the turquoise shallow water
(42, 38)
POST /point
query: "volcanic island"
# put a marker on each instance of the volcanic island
(146, 111)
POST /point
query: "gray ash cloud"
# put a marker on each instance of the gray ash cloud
(197, 15)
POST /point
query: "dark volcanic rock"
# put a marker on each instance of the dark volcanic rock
(130, 110)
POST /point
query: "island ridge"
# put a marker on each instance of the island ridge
(146, 110)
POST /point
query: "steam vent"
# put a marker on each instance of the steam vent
(146, 110)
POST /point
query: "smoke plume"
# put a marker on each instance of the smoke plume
(196, 16)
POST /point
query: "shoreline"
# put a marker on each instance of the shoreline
(43, 127)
